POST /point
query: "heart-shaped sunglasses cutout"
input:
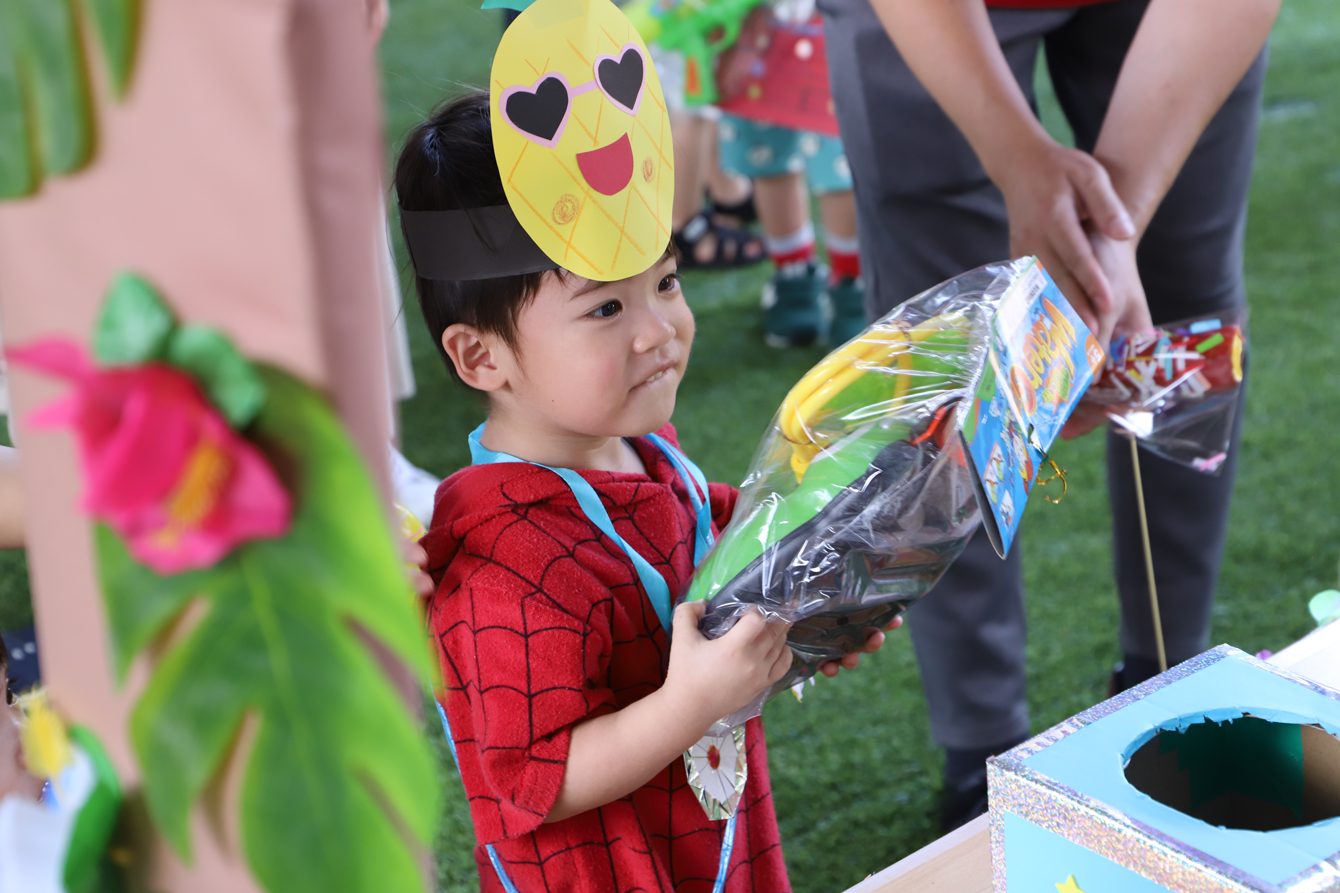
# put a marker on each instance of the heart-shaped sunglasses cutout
(622, 79)
(540, 112)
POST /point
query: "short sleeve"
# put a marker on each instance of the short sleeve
(722, 498)
(524, 626)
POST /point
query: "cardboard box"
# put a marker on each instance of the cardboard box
(1221, 774)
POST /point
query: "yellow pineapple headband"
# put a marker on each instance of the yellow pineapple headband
(582, 140)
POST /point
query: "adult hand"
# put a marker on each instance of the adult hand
(1130, 316)
(1051, 193)
(1130, 310)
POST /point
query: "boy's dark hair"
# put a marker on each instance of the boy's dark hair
(447, 164)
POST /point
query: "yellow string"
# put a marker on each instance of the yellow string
(1149, 557)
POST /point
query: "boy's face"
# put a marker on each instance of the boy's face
(600, 359)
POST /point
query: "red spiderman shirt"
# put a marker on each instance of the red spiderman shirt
(541, 623)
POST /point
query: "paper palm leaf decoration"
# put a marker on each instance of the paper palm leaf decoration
(46, 120)
(261, 627)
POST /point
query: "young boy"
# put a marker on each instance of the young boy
(568, 702)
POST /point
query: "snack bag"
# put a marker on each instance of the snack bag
(1176, 389)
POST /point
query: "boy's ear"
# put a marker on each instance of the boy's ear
(475, 355)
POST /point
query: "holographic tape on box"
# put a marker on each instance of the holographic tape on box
(1221, 774)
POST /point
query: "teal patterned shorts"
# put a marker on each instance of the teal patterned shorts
(753, 149)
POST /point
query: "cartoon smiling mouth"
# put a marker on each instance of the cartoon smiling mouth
(609, 168)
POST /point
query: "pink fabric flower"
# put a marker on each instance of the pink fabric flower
(161, 465)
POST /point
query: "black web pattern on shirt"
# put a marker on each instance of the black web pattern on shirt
(642, 510)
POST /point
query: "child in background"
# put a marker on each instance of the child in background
(703, 237)
(23, 670)
(14, 776)
(557, 555)
(804, 303)
(777, 70)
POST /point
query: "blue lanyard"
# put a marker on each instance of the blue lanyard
(658, 593)
(696, 484)
(653, 584)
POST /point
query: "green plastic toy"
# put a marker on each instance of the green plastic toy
(699, 29)
(861, 493)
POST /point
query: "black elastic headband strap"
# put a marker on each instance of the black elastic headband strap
(478, 243)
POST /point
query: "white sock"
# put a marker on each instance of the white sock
(792, 243)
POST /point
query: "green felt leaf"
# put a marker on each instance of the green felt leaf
(230, 380)
(92, 830)
(115, 22)
(51, 51)
(18, 173)
(134, 324)
(337, 764)
(46, 110)
(133, 623)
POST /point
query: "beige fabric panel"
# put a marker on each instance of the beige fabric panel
(241, 177)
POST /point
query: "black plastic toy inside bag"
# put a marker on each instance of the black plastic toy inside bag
(860, 494)
(1176, 389)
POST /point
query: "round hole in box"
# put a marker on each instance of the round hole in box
(1247, 773)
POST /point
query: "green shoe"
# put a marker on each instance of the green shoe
(847, 297)
(795, 312)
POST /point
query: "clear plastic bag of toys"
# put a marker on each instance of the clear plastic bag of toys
(1176, 389)
(860, 494)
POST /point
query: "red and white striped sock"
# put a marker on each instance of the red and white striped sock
(844, 256)
(788, 251)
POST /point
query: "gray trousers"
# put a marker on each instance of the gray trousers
(927, 211)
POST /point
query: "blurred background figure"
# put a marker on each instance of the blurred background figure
(1146, 215)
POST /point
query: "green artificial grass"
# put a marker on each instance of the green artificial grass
(854, 772)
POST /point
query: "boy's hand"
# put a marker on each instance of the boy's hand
(713, 678)
(416, 562)
(613, 754)
(873, 643)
